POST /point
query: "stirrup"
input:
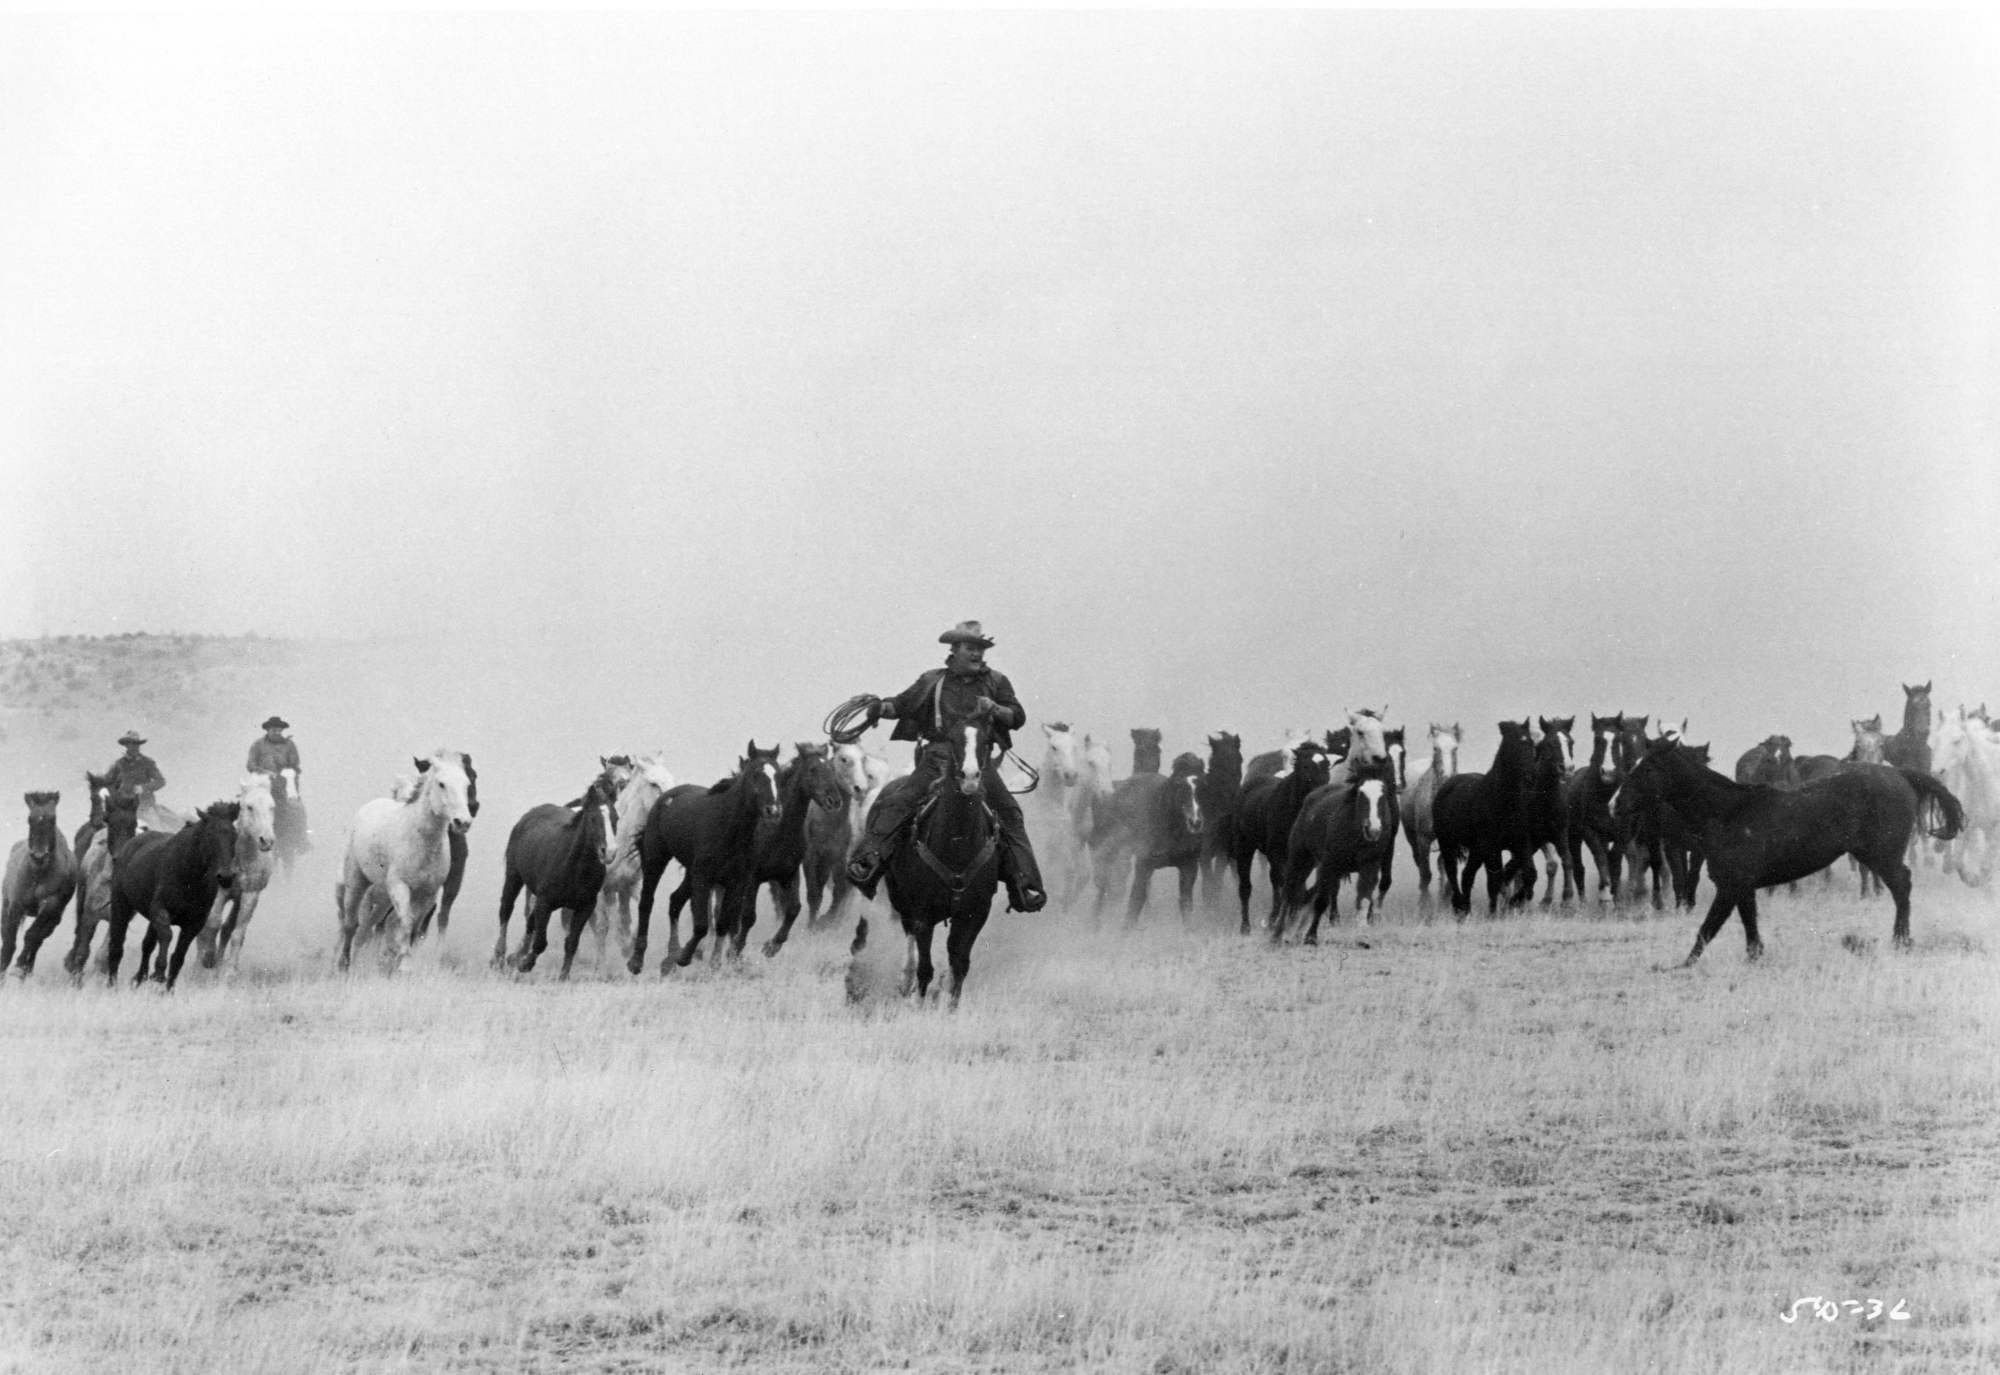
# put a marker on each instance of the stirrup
(1026, 899)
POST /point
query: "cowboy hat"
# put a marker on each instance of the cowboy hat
(966, 632)
(276, 723)
(131, 737)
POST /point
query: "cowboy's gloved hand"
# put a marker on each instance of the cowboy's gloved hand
(988, 705)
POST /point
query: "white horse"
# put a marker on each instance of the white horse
(400, 851)
(1416, 804)
(1093, 789)
(647, 779)
(1048, 809)
(1966, 756)
(256, 842)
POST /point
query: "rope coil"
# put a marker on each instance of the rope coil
(849, 721)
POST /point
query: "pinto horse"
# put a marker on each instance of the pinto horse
(948, 869)
(559, 855)
(648, 782)
(1754, 836)
(1337, 833)
(256, 848)
(712, 832)
(399, 859)
(171, 879)
(1264, 816)
(1480, 817)
(40, 879)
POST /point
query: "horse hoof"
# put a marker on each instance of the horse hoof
(636, 965)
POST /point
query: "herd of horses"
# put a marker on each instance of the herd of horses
(1643, 804)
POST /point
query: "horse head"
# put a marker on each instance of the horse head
(850, 769)
(1445, 741)
(215, 841)
(1311, 765)
(41, 827)
(1916, 706)
(599, 817)
(1059, 758)
(257, 811)
(445, 785)
(969, 749)
(816, 775)
(1563, 730)
(1145, 750)
(1632, 742)
(1868, 740)
(759, 771)
(1096, 765)
(1371, 798)
(1181, 798)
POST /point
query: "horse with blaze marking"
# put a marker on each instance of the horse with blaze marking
(712, 832)
(1340, 832)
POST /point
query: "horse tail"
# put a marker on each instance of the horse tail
(1933, 793)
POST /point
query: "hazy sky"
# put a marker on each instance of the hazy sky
(1233, 368)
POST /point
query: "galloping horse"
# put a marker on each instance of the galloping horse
(41, 877)
(1548, 813)
(830, 831)
(560, 856)
(1092, 794)
(946, 871)
(712, 831)
(256, 846)
(1757, 836)
(1161, 827)
(1967, 758)
(171, 880)
(1338, 833)
(1587, 802)
(779, 850)
(402, 851)
(1264, 816)
(1481, 817)
(1416, 803)
(114, 819)
(455, 843)
(1221, 789)
(641, 792)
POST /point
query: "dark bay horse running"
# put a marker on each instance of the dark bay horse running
(1482, 821)
(1162, 827)
(948, 867)
(712, 832)
(1221, 788)
(807, 782)
(1587, 804)
(40, 879)
(559, 855)
(1340, 832)
(170, 879)
(1264, 816)
(1754, 837)
(1548, 814)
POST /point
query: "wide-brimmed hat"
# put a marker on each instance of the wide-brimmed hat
(276, 723)
(131, 737)
(966, 633)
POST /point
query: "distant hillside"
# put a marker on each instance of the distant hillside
(163, 677)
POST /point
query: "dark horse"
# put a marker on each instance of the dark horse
(1221, 788)
(1587, 806)
(1341, 831)
(1481, 817)
(1756, 836)
(170, 879)
(1910, 747)
(41, 878)
(712, 832)
(947, 869)
(454, 876)
(1161, 827)
(780, 845)
(1548, 812)
(114, 819)
(1769, 762)
(1264, 816)
(559, 855)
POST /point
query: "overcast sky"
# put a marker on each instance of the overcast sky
(1231, 368)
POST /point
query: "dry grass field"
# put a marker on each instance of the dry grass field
(1505, 1146)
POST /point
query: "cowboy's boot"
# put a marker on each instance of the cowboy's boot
(1024, 893)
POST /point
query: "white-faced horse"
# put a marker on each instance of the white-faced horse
(1048, 808)
(1966, 757)
(256, 847)
(832, 832)
(402, 851)
(1094, 788)
(647, 780)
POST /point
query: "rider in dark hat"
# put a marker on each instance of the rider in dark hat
(273, 751)
(939, 703)
(133, 774)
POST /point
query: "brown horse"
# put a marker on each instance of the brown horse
(41, 876)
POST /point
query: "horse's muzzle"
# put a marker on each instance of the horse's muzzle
(969, 786)
(460, 827)
(265, 843)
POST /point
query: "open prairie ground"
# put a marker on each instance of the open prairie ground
(1506, 1145)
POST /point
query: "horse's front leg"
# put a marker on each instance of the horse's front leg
(699, 897)
(397, 924)
(1190, 871)
(1718, 912)
(10, 925)
(958, 951)
(785, 892)
(182, 943)
(920, 943)
(47, 918)
(1142, 881)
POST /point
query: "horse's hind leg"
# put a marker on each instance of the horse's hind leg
(700, 897)
(510, 889)
(1894, 874)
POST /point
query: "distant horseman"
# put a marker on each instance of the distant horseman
(133, 775)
